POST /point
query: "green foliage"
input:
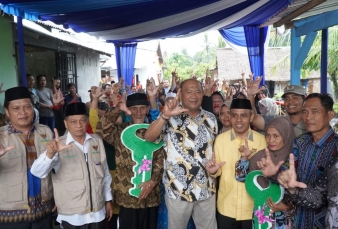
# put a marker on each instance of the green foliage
(313, 59)
(335, 108)
(186, 66)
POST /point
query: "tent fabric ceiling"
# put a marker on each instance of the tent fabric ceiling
(138, 20)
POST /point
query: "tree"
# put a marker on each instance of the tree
(313, 59)
(186, 65)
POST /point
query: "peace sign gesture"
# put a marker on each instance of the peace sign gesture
(268, 168)
(55, 145)
(171, 107)
(288, 178)
(211, 166)
(4, 150)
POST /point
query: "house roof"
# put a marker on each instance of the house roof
(79, 39)
(231, 64)
(324, 6)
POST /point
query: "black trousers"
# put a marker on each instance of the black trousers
(142, 218)
(44, 223)
(224, 222)
(99, 225)
(112, 224)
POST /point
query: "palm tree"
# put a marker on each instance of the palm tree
(313, 59)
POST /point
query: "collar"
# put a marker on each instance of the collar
(199, 114)
(70, 138)
(12, 130)
(233, 135)
(320, 142)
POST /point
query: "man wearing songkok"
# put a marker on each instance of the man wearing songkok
(234, 205)
(80, 175)
(26, 201)
(188, 134)
(141, 212)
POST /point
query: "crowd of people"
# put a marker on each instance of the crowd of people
(65, 158)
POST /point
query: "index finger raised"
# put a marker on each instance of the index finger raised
(56, 134)
(178, 94)
(292, 162)
(213, 157)
(267, 152)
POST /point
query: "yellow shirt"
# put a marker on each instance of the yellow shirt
(93, 119)
(233, 201)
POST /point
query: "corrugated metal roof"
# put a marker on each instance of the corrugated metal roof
(80, 39)
(326, 6)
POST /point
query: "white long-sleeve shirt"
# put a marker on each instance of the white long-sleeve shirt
(42, 167)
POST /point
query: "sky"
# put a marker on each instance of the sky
(193, 44)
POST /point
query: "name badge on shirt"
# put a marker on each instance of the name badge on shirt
(43, 139)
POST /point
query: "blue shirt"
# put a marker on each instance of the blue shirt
(311, 159)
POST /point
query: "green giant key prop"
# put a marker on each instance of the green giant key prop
(260, 196)
(142, 154)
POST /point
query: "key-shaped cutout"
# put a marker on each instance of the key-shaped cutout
(142, 153)
(260, 196)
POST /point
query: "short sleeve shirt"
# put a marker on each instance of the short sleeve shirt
(188, 144)
(299, 128)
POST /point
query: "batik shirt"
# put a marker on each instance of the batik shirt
(188, 144)
(311, 160)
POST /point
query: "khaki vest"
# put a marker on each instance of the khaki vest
(77, 191)
(13, 169)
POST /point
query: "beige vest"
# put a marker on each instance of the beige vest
(13, 169)
(78, 186)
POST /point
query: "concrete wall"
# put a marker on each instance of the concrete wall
(88, 71)
(8, 66)
(43, 61)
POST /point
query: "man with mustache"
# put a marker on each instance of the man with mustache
(293, 97)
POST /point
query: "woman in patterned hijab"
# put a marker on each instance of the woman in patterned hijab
(224, 117)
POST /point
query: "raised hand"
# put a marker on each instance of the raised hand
(210, 82)
(288, 178)
(56, 99)
(151, 88)
(171, 107)
(127, 88)
(253, 86)
(160, 87)
(96, 92)
(211, 166)
(121, 104)
(268, 168)
(4, 150)
(245, 151)
(55, 145)
(1, 91)
(118, 86)
(77, 96)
